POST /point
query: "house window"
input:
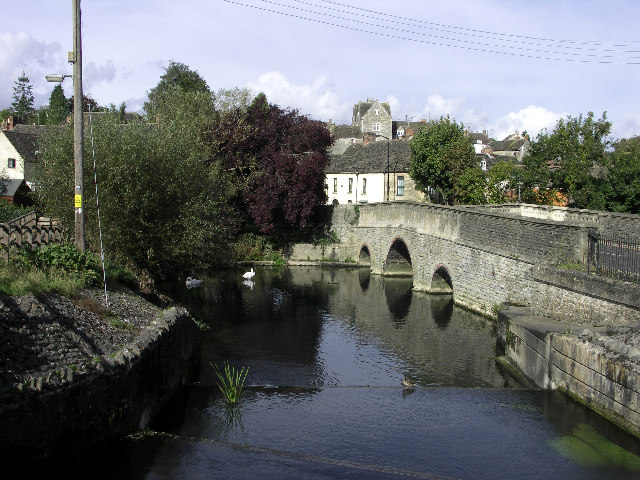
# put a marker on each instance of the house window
(364, 186)
(11, 163)
(350, 185)
(335, 185)
(401, 132)
(377, 112)
(376, 127)
(483, 165)
(400, 185)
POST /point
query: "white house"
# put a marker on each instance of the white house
(18, 152)
(372, 172)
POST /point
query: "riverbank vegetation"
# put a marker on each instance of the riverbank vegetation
(59, 268)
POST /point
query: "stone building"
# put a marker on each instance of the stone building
(374, 117)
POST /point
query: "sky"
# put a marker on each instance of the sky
(495, 65)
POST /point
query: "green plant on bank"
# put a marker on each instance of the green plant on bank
(349, 260)
(59, 268)
(330, 238)
(495, 309)
(231, 381)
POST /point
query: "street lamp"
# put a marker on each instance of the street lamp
(75, 57)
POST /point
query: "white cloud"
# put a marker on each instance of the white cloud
(96, 74)
(21, 52)
(318, 100)
(438, 106)
(533, 119)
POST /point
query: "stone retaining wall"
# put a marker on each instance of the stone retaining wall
(560, 355)
(93, 409)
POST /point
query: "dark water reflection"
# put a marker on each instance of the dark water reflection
(327, 350)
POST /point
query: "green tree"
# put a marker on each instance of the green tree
(471, 187)
(23, 98)
(500, 179)
(176, 76)
(163, 202)
(58, 106)
(568, 159)
(623, 177)
(440, 153)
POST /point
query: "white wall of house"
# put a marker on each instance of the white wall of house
(338, 187)
(11, 163)
(401, 188)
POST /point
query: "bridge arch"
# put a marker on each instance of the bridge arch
(398, 262)
(364, 258)
(441, 281)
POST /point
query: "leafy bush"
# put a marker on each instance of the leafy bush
(62, 258)
(9, 211)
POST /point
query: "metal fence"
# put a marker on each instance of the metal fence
(614, 256)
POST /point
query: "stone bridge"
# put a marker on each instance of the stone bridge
(487, 255)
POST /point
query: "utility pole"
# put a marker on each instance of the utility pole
(78, 128)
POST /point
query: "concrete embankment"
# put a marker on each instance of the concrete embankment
(64, 412)
(597, 366)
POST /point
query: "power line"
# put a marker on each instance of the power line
(474, 31)
(437, 40)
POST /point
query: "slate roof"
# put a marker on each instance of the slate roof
(8, 188)
(346, 131)
(363, 108)
(506, 145)
(371, 158)
(26, 144)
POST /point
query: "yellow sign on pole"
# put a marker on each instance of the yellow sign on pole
(78, 201)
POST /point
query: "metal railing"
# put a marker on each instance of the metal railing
(614, 256)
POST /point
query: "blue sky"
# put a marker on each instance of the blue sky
(495, 65)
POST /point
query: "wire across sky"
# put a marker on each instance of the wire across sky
(340, 15)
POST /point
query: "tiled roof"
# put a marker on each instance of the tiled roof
(372, 158)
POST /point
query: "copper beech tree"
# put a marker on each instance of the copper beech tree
(278, 157)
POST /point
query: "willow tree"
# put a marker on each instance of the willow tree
(163, 203)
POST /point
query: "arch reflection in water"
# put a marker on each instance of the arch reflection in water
(364, 278)
(398, 293)
(441, 310)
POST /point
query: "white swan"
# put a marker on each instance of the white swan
(193, 282)
(249, 275)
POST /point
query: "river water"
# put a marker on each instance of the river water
(327, 350)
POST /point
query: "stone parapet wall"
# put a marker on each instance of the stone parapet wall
(604, 222)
